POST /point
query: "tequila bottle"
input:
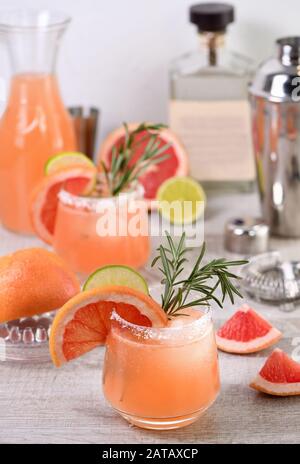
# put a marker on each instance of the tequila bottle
(209, 106)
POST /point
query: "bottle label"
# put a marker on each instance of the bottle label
(217, 137)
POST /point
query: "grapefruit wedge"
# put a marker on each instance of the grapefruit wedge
(246, 332)
(280, 376)
(175, 165)
(84, 321)
(78, 180)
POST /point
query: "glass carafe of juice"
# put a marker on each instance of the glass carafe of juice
(35, 124)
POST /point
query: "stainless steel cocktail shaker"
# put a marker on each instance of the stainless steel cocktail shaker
(275, 100)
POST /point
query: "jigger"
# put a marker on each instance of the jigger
(85, 123)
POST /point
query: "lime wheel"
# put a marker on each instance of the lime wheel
(65, 160)
(116, 275)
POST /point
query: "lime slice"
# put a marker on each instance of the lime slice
(63, 160)
(116, 275)
(181, 200)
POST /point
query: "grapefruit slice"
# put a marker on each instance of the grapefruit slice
(280, 376)
(175, 165)
(77, 180)
(84, 321)
(246, 332)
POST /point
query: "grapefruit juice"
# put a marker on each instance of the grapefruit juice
(93, 232)
(34, 127)
(162, 378)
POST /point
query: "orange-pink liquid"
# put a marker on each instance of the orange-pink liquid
(76, 240)
(34, 127)
(161, 383)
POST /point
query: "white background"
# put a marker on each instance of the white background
(115, 54)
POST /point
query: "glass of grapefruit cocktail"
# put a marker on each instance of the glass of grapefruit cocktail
(161, 364)
(97, 231)
(96, 216)
(162, 378)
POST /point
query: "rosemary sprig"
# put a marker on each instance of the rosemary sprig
(122, 171)
(203, 279)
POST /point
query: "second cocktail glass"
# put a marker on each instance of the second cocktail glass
(91, 232)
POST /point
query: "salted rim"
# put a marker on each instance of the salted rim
(92, 203)
(11, 19)
(188, 332)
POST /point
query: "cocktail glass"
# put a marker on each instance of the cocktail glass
(162, 378)
(91, 232)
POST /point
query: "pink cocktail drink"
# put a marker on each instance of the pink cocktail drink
(94, 232)
(162, 378)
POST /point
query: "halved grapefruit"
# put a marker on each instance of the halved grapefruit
(175, 165)
(78, 180)
(246, 332)
(84, 321)
(280, 376)
(34, 281)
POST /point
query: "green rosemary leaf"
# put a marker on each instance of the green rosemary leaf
(178, 314)
(117, 162)
(181, 244)
(177, 291)
(154, 261)
(122, 171)
(172, 249)
(199, 260)
(153, 162)
(103, 165)
(211, 296)
(106, 173)
(127, 134)
(165, 264)
(194, 303)
(235, 290)
(150, 146)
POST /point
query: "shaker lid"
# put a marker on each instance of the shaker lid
(212, 17)
(274, 79)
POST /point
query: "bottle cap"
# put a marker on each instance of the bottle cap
(247, 236)
(212, 17)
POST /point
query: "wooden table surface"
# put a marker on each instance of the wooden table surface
(41, 404)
